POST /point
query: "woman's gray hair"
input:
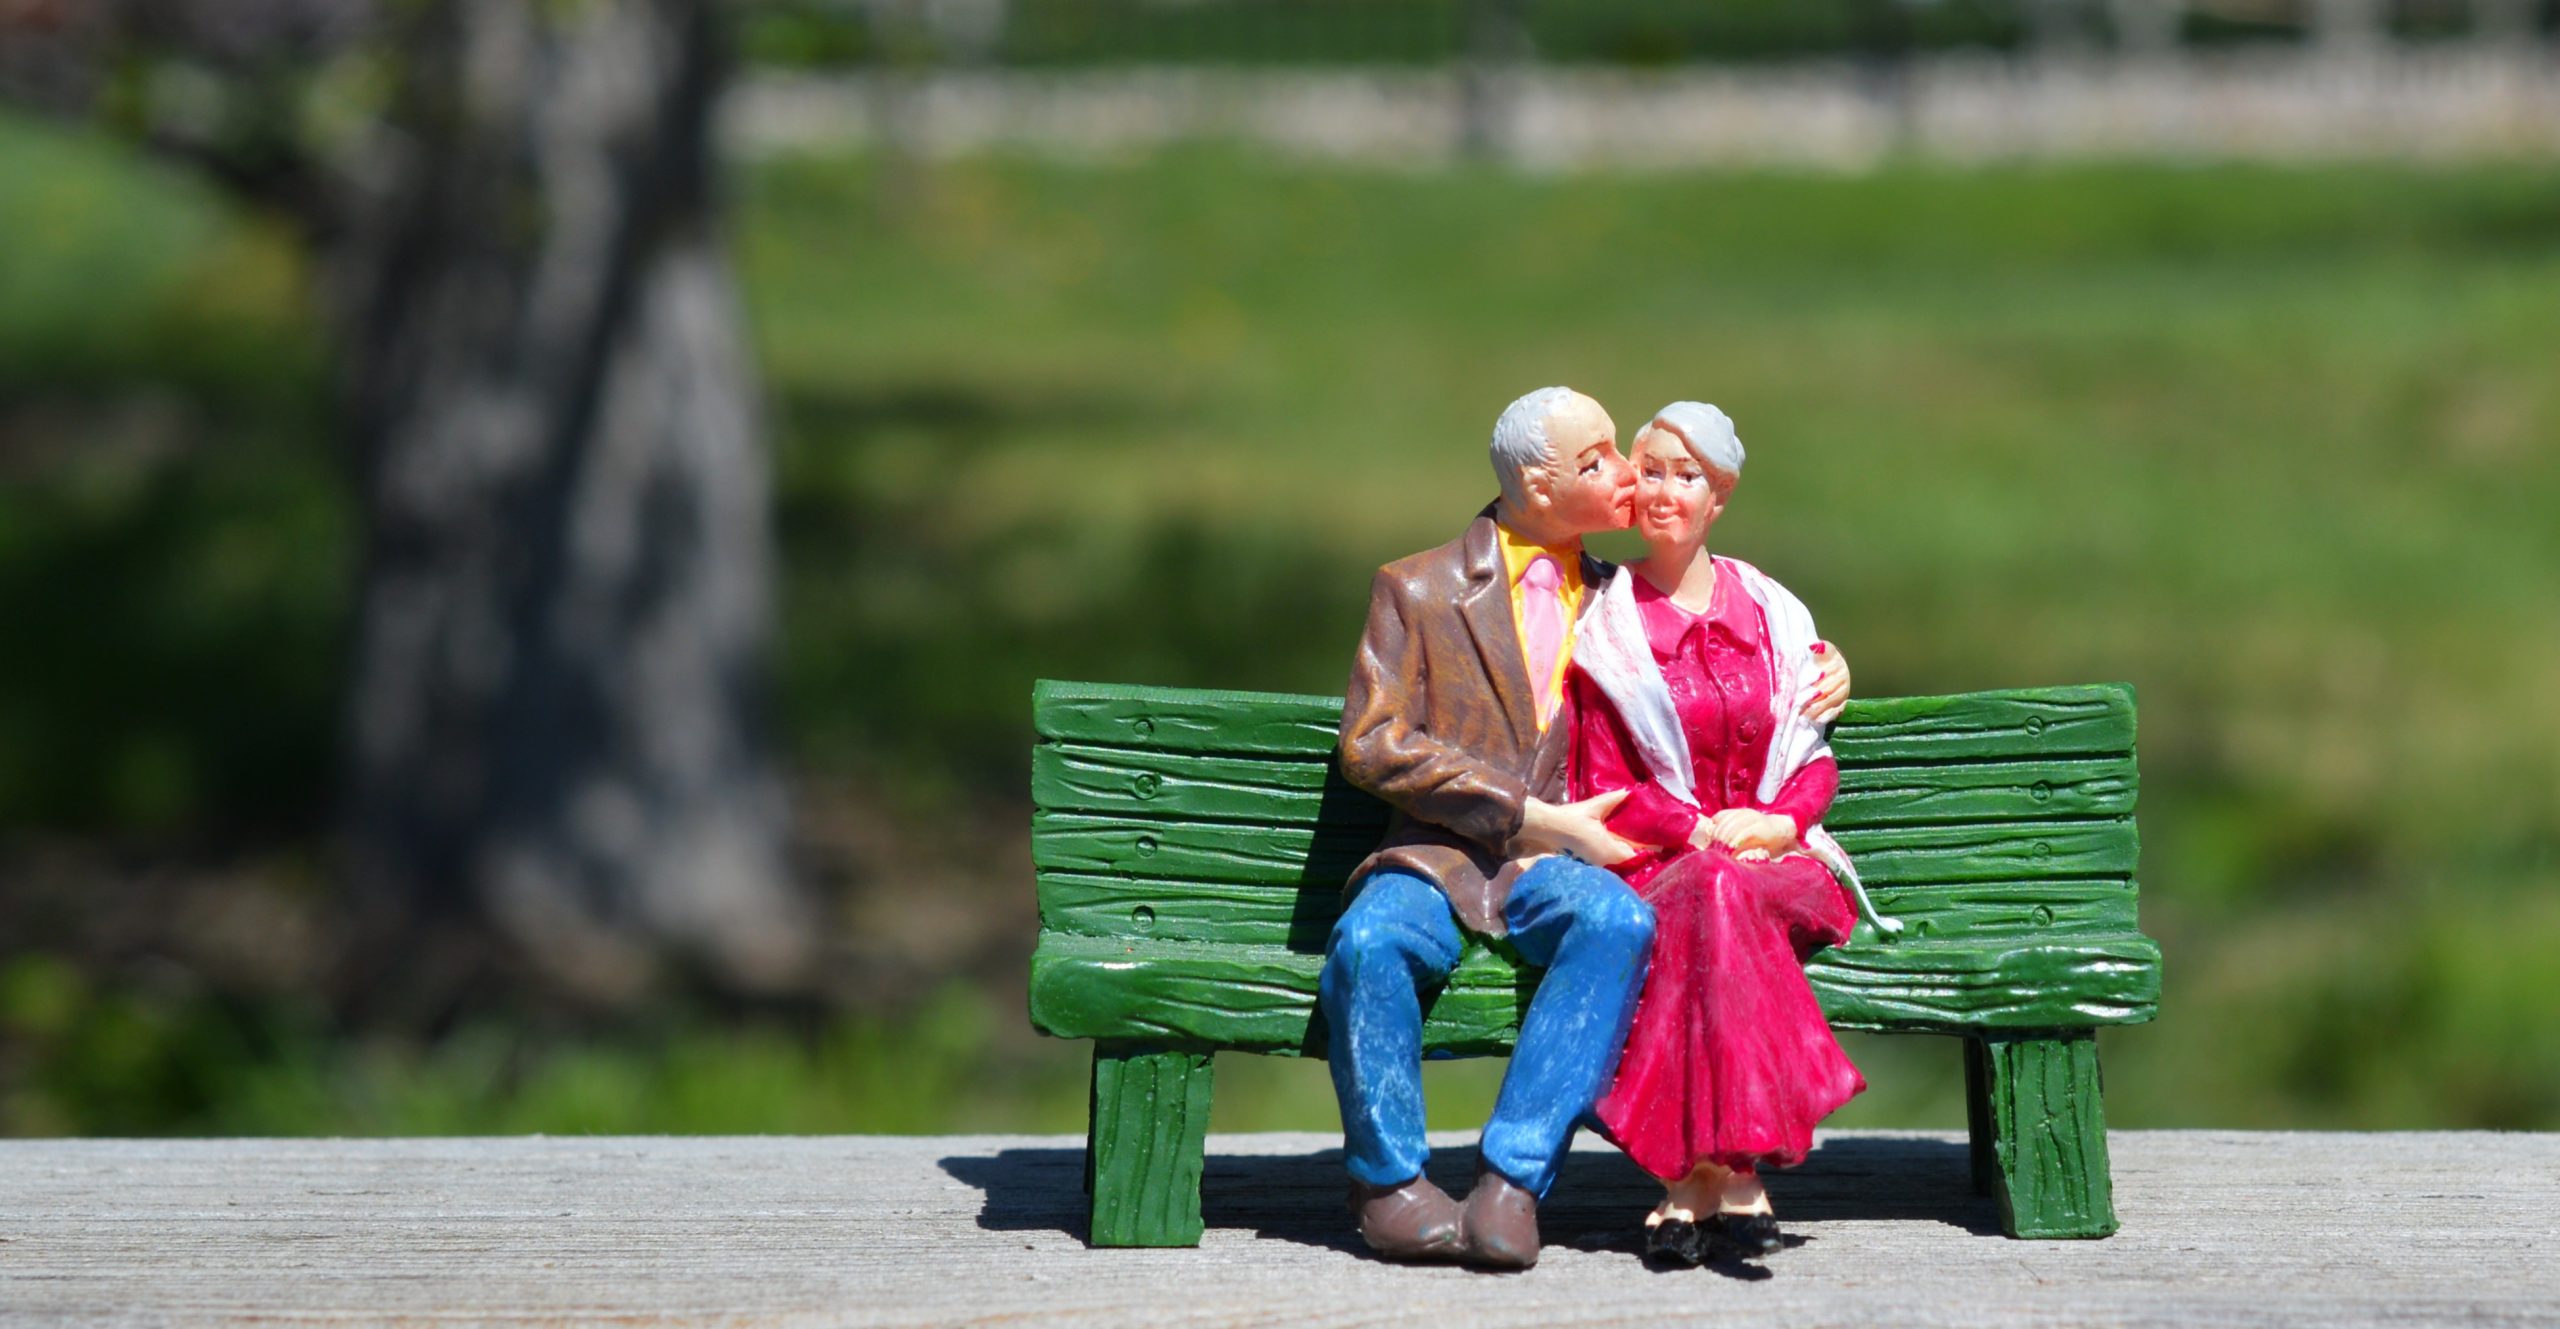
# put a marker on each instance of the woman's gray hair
(1708, 432)
(1520, 437)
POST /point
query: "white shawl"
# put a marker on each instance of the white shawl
(1610, 646)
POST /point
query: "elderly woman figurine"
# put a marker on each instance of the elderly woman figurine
(1690, 679)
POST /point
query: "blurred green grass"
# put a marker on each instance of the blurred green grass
(2276, 445)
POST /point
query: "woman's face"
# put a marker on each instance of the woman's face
(1676, 500)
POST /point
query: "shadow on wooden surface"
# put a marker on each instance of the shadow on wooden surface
(1598, 1203)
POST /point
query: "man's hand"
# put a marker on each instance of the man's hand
(1831, 693)
(1581, 827)
(1752, 836)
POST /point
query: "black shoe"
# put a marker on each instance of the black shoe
(1743, 1236)
(1674, 1241)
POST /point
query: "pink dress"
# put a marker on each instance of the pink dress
(1729, 1057)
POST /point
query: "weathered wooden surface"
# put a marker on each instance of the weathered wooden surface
(2220, 1228)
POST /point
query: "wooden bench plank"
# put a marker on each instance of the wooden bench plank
(1276, 724)
(1965, 909)
(1262, 998)
(1069, 777)
(1076, 778)
(1988, 791)
(2080, 720)
(1320, 856)
(2059, 848)
(1244, 915)
(1263, 915)
(2015, 724)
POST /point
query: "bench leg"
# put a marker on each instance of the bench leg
(1143, 1149)
(2037, 1109)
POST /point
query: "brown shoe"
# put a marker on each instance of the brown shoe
(1501, 1223)
(1414, 1221)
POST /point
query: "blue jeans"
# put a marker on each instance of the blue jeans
(1590, 932)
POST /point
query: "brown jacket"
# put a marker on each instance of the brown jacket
(1438, 721)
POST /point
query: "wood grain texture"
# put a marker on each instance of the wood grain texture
(1320, 856)
(2010, 908)
(1173, 849)
(1150, 1112)
(1068, 777)
(1985, 791)
(1262, 998)
(2043, 850)
(2016, 723)
(2222, 1230)
(1099, 906)
(2048, 1134)
(1275, 724)
(2031, 982)
(1095, 905)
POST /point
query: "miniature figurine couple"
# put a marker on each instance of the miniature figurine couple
(1622, 772)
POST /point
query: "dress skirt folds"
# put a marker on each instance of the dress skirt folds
(1729, 1058)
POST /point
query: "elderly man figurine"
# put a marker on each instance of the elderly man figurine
(1453, 719)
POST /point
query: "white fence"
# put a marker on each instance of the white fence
(2452, 101)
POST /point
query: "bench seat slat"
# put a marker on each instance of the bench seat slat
(1262, 998)
(1069, 777)
(1320, 857)
(2013, 724)
(1286, 916)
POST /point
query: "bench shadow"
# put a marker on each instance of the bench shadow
(1598, 1203)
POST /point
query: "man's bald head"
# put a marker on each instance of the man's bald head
(1524, 435)
(1555, 454)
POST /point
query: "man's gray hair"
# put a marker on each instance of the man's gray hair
(1708, 432)
(1520, 437)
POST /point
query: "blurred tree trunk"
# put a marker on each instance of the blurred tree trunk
(2057, 30)
(2147, 31)
(1496, 57)
(559, 775)
(2350, 29)
(1885, 40)
(560, 671)
(2507, 24)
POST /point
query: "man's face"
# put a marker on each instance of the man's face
(1589, 486)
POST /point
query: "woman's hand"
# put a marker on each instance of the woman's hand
(1831, 694)
(1752, 836)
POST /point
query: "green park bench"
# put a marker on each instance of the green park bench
(1191, 848)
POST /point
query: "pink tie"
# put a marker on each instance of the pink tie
(1542, 625)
